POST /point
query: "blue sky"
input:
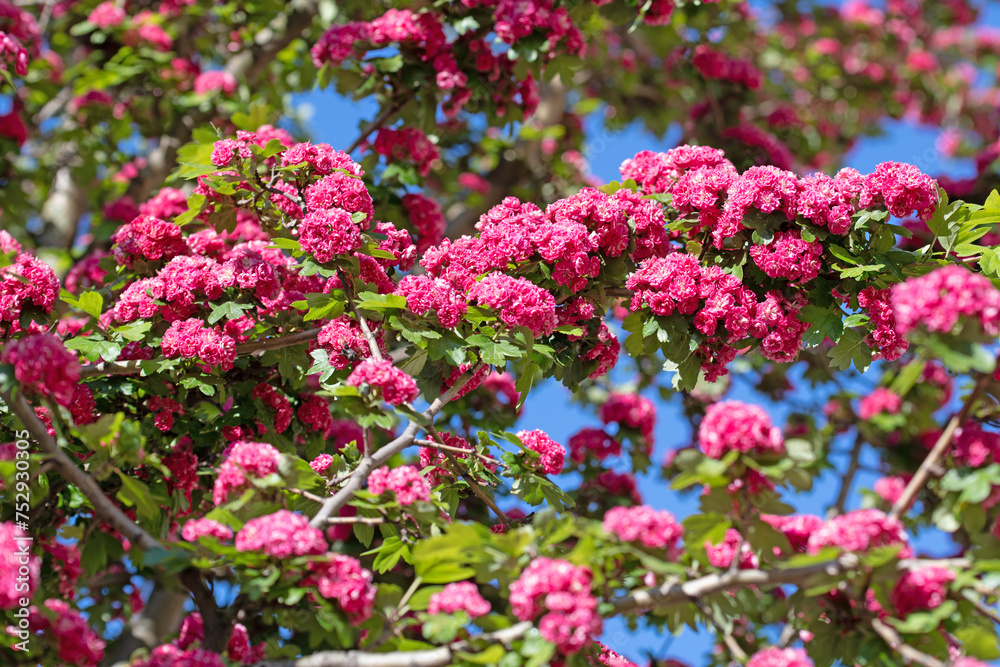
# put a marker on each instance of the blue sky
(335, 121)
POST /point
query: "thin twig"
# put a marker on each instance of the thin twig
(458, 450)
(939, 449)
(852, 469)
(379, 121)
(367, 520)
(909, 654)
(474, 485)
(734, 648)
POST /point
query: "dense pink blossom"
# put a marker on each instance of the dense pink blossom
(659, 172)
(323, 159)
(250, 270)
(215, 80)
(552, 455)
(780, 657)
(405, 481)
(28, 282)
(321, 464)
(192, 339)
(459, 596)
(655, 529)
(342, 578)
(566, 246)
(425, 294)
(276, 403)
(631, 410)
(77, 644)
(86, 273)
(901, 188)
(197, 528)
(607, 657)
(12, 590)
(168, 655)
(397, 386)
(973, 446)
(427, 219)
(592, 444)
(736, 426)
(329, 233)
(936, 301)
(8, 244)
(880, 401)
(721, 555)
(826, 201)
(314, 413)
(82, 405)
(43, 364)
(281, 535)
(761, 190)
(891, 488)
(253, 459)
(602, 215)
(861, 530)
(921, 588)
(714, 64)
(518, 302)
(797, 527)
(560, 592)
(884, 336)
(344, 342)
(163, 410)
(407, 144)
(339, 43)
(789, 257)
(344, 191)
(165, 204)
(147, 238)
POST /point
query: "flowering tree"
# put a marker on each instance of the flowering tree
(261, 396)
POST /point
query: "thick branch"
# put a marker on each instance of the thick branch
(335, 502)
(909, 654)
(939, 449)
(106, 510)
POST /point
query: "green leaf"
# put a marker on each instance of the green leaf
(826, 323)
(136, 494)
(907, 377)
(91, 303)
(851, 349)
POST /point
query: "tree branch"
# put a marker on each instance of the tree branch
(379, 121)
(106, 510)
(909, 654)
(939, 449)
(335, 502)
(852, 470)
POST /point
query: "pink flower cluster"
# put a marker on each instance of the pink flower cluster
(344, 342)
(736, 426)
(77, 644)
(254, 459)
(592, 444)
(459, 596)
(630, 410)
(277, 403)
(342, 578)
(780, 657)
(147, 238)
(789, 257)
(936, 301)
(43, 364)
(552, 455)
(17, 580)
(107, 15)
(427, 219)
(656, 529)
(974, 447)
(921, 588)
(328, 233)
(860, 530)
(169, 655)
(281, 535)
(659, 172)
(518, 302)
(164, 409)
(314, 413)
(425, 294)
(192, 339)
(561, 592)
(197, 528)
(405, 481)
(396, 386)
(721, 555)
(28, 282)
(884, 337)
(341, 190)
(714, 64)
(407, 144)
(880, 401)
(891, 488)
(215, 80)
(796, 528)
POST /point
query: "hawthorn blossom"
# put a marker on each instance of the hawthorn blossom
(560, 593)
(396, 386)
(552, 455)
(652, 528)
(736, 426)
(405, 481)
(281, 535)
(459, 596)
(43, 364)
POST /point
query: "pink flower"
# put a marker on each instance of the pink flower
(884, 337)
(254, 459)
(780, 657)
(880, 401)
(552, 455)
(344, 342)
(12, 589)
(314, 413)
(43, 364)
(721, 555)
(937, 300)
(592, 444)
(407, 144)
(77, 643)
(901, 188)
(147, 238)
(107, 15)
(197, 528)
(560, 593)
(281, 535)
(427, 219)
(329, 233)
(405, 481)
(321, 463)
(342, 578)
(397, 387)
(425, 294)
(797, 528)
(603, 217)
(860, 530)
(518, 302)
(631, 410)
(459, 596)
(652, 528)
(27, 283)
(736, 426)
(339, 190)
(277, 402)
(215, 80)
(921, 588)
(659, 172)
(789, 257)
(192, 339)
